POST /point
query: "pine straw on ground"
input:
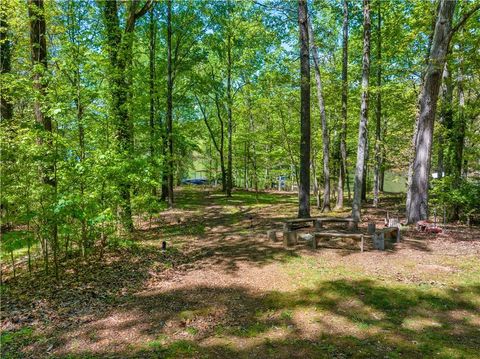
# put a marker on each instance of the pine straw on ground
(222, 290)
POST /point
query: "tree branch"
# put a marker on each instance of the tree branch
(148, 4)
(464, 19)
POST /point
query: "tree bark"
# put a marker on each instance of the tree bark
(151, 83)
(362, 131)
(445, 119)
(383, 158)
(417, 204)
(458, 136)
(323, 120)
(6, 105)
(253, 157)
(169, 105)
(378, 112)
(218, 147)
(289, 149)
(222, 144)
(120, 57)
(229, 115)
(36, 13)
(343, 133)
(304, 187)
(365, 171)
(76, 82)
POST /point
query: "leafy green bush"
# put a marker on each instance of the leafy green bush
(461, 195)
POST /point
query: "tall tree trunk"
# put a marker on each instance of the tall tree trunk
(81, 143)
(417, 205)
(120, 56)
(343, 134)
(362, 130)
(365, 171)
(151, 83)
(445, 119)
(460, 126)
(458, 136)
(304, 187)
(222, 143)
(245, 164)
(323, 118)
(164, 175)
(229, 116)
(316, 189)
(383, 158)
(36, 13)
(253, 156)
(120, 107)
(289, 149)
(6, 105)
(164, 144)
(218, 148)
(378, 112)
(169, 104)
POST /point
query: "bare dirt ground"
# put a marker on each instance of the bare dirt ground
(222, 290)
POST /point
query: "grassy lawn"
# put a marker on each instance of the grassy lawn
(221, 290)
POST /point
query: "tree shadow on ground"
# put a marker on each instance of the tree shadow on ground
(339, 318)
(98, 304)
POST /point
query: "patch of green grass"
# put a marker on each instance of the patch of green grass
(192, 330)
(286, 315)
(192, 314)
(251, 330)
(122, 243)
(220, 330)
(155, 344)
(181, 348)
(11, 342)
(12, 337)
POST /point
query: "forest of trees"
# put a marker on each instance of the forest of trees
(106, 106)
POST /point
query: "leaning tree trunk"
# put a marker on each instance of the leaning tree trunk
(343, 133)
(36, 13)
(362, 130)
(304, 185)
(323, 118)
(417, 205)
(378, 112)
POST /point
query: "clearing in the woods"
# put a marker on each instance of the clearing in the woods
(221, 289)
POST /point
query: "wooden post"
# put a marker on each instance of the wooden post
(393, 222)
(353, 225)
(379, 241)
(371, 228)
(272, 235)
(314, 242)
(399, 235)
(361, 243)
(318, 225)
(289, 238)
